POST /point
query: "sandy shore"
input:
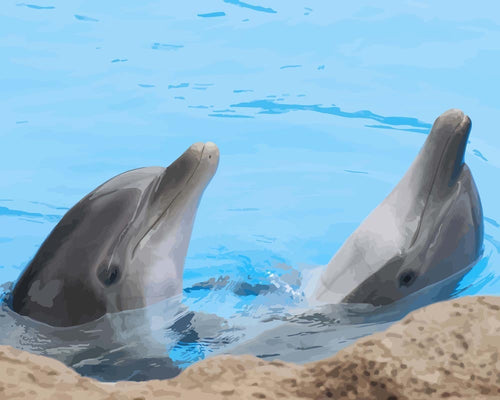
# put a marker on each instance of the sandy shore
(448, 350)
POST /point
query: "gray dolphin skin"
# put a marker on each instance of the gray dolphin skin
(428, 228)
(121, 247)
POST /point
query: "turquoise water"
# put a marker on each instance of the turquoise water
(318, 109)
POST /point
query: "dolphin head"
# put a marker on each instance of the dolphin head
(121, 247)
(429, 227)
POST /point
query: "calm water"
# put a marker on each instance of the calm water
(318, 109)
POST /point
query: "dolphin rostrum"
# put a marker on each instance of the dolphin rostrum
(428, 228)
(121, 247)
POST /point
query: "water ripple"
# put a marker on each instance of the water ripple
(251, 6)
(35, 7)
(479, 154)
(85, 18)
(180, 85)
(212, 14)
(166, 46)
(230, 116)
(271, 107)
(5, 211)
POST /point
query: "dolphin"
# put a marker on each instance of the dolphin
(428, 228)
(121, 247)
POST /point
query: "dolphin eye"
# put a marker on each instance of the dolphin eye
(407, 278)
(111, 275)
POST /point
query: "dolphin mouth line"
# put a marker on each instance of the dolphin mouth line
(417, 232)
(169, 204)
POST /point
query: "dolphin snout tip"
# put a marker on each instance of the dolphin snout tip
(206, 153)
(453, 112)
(456, 117)
(211, 154)
(211, 149)
(453, 122)
(196, 147)
(466, 121)
(211, 145)
(200, 147)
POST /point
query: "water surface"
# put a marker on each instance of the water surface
(318, 110)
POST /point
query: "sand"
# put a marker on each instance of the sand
(448, 350)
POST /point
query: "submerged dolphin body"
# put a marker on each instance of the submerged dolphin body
(428, 228)
(121, 247)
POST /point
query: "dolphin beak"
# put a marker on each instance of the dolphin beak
(462, 131)
(187, 176)
(212, 151)
(209, 159)
(197, 149)
(200, 160)
(440, 162)
(205, 159)
(454, 127)
(204, 155)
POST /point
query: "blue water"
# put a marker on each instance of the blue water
(318, 109)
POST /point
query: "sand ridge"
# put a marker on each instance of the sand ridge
(448, 350)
